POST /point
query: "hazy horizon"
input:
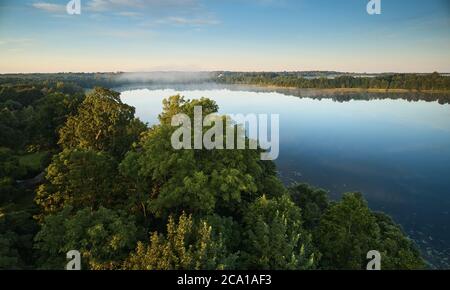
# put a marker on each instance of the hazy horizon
(216, 71)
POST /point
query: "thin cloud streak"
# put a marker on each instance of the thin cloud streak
(50, 7)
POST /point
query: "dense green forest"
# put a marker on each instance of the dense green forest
(305, 80)
(79, 171)
(84, 80)
(420, 82)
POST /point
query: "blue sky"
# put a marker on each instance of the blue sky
(242, 35)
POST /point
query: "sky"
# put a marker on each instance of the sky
(236, 35)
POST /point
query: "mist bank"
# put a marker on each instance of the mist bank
(346, 82)
(165, 77)
(110, 79)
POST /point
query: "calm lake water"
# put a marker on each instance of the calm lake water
(394, 151)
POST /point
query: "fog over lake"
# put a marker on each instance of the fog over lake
(396, 152)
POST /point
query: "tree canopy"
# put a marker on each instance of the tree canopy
(80, 172)
(102, 123)
(348, 230)
(196, 181)
(103, 237)
(81, 178)
(274, 237)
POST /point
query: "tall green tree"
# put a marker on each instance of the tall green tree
(196, 181)
(12, 127)
(102, 123)
(347, 232)
(81, 178)
(187, 245)
(398, 252)
(313, 202)
(103, 237)
(274, 238)
(50, 114)
(17, 229)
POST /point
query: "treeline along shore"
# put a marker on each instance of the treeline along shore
(392, 82)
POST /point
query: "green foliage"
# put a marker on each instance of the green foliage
(312, 201)
(178, 105)
(348, 230)
(34, 162)
(227, 230)
(81, 178)
(102, 123)
(71, 82)
(196, 181)
(208, 209)
(23, 94)
(11, 126)
(50, 114)
(397, 250)
(103, 237)
(305, 80)
(186, 246)
(274, 237)
(17, 229)
(9, 256)
(8, 190)
(10, 165)
(31, 114)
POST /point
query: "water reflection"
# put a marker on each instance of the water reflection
(395, 151)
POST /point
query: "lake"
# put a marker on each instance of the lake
(395, 151)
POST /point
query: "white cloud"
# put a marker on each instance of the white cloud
(129, 14)
(50, 7)
(191, 21)
(110, 5)
(122, 33)
(106, 5)
(169, 12)
(16, 41)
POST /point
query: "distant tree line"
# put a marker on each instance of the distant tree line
(303, 80)
(420, 82)
(83, 80)
(106, 80)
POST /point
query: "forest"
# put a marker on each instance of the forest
(417, 82)
(78, 171)
(434, 82)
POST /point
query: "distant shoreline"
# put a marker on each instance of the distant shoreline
(350, 90)
(341, 84)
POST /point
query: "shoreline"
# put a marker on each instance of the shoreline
(347, 90)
